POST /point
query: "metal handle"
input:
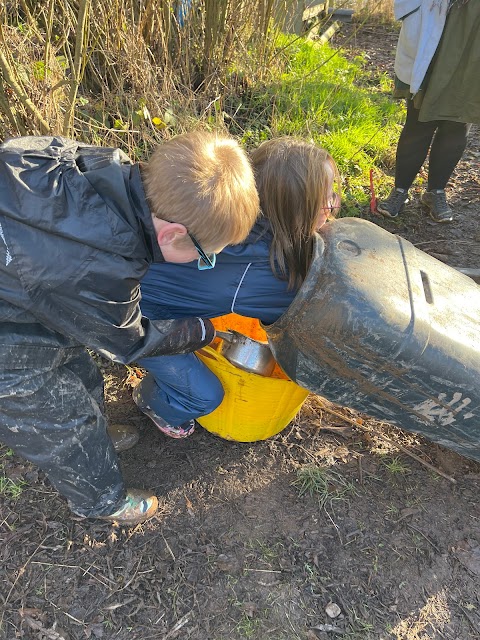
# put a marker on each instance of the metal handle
(224, 335)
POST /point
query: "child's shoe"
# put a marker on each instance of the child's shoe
(138, 507)
(436, 203)
(393, 205)
(181, 431)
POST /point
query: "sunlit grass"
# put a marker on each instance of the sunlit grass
(324, 483)
(323, 97)
(396, 466)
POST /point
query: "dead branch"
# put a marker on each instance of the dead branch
(9, 77)
(77, 64)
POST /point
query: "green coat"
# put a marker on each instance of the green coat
(452, 87)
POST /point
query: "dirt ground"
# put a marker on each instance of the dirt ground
(252, 541)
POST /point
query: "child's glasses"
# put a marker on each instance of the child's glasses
(205, 260)
(334, 204)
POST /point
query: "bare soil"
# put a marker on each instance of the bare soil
(387, 547)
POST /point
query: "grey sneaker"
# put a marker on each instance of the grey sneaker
(137, 507)
(436, 203)
(394, 204)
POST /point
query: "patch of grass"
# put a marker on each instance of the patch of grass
(361, 629)
(247, 626)
(9, 489)
(5, 452)
(392, 511)
(396, 466)
(268, 553)
(324, 483)
(322, 96)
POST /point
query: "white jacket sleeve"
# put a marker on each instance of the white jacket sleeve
(419, 38)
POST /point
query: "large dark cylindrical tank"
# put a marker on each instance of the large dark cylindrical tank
(384, 328)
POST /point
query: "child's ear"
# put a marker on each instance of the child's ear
(168, 232)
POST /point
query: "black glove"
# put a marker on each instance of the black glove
(183, 336)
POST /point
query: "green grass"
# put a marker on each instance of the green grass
(327, 485)
(247, 627)
(9, 489)
(395, 466)
(264, 551)
(340, 104)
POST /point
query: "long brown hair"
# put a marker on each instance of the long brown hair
(294, 182)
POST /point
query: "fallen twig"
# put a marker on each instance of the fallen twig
(399, 446)
(20, 573)
(410, 526)
(181, 623)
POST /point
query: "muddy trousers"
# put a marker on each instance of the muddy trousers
(54, 417)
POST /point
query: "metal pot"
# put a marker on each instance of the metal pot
(246, 353)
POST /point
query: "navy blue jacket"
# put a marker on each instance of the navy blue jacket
(242, 282)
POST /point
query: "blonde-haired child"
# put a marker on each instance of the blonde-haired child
(76, 236)
(203, 182)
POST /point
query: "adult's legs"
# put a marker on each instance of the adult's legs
(178, 388)
(412, 148)
(447, 148)
(53, 418)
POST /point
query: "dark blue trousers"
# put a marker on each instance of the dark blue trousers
(179, 388)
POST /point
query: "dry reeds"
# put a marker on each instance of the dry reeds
(70, 65)
(130, 71)
(378, 10)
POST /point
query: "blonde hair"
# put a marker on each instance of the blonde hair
(204, 181)
(294, 185)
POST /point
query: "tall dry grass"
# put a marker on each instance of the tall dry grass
(129, 72)
(379, 10)
(81, 68)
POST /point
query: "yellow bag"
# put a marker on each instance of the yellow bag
(254, 407)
